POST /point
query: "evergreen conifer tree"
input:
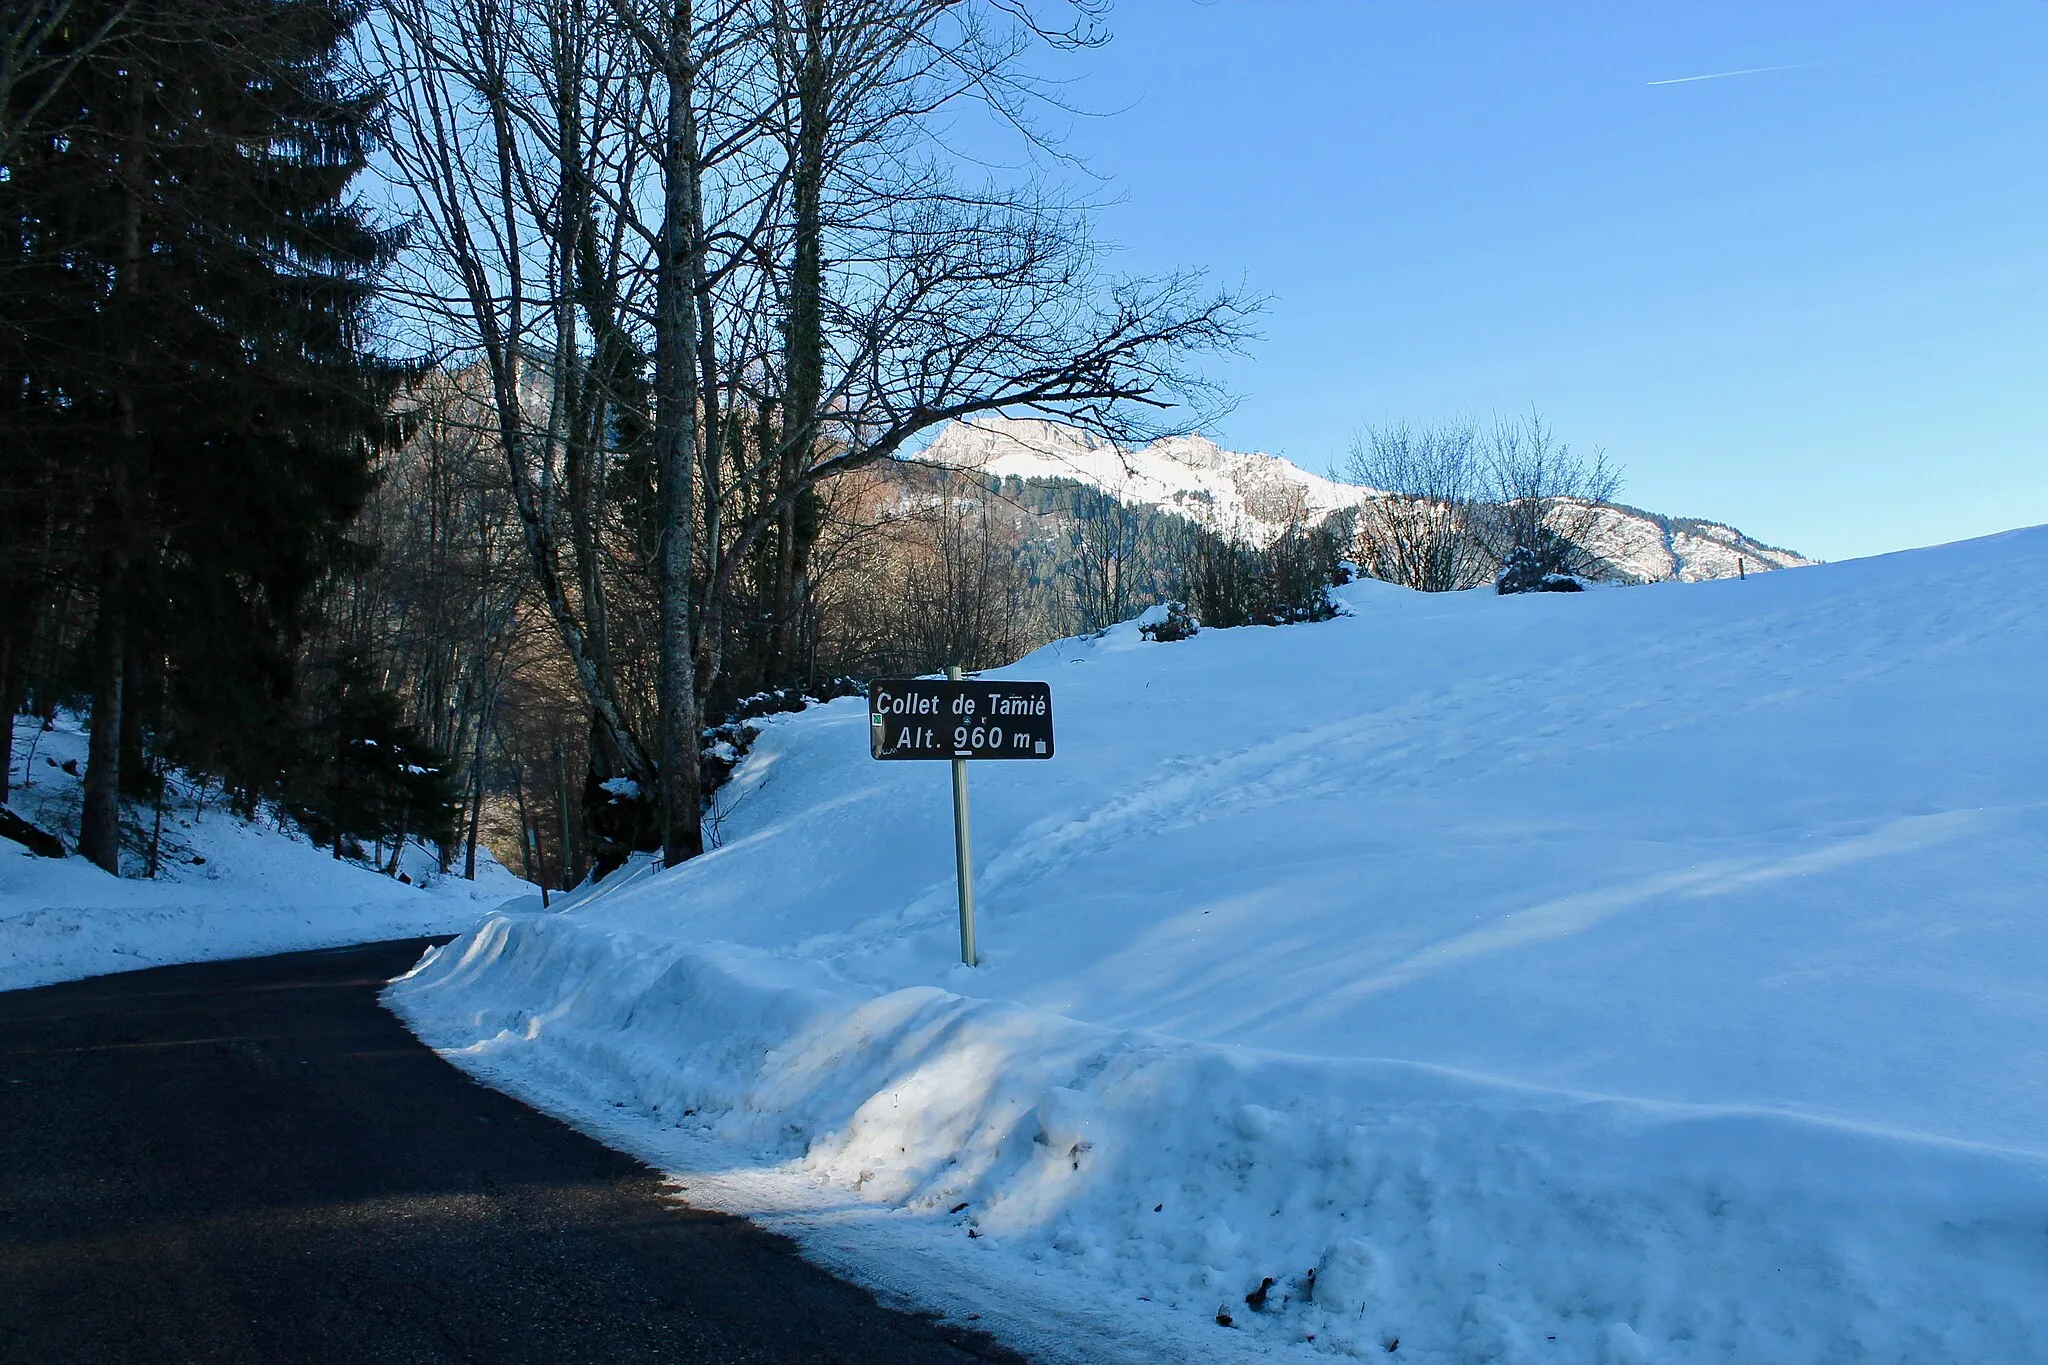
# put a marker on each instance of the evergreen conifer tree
(191, 394)
(367, 774)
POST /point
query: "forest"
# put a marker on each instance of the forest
(452, 421)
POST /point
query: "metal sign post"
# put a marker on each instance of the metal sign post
(963, 855)
(958, 720)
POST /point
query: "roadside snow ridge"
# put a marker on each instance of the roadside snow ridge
(1651, 974)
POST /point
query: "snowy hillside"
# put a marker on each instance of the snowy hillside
(1654, 974)
(226, 888)
(1253, 496)
(1256, 496)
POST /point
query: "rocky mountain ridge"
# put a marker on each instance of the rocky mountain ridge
(1254, 497)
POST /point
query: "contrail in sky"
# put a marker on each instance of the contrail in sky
(1718, 75)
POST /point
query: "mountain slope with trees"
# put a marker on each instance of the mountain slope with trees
(1256, 497)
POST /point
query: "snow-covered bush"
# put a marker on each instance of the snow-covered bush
(1168, 622)
(1228, 583)
(726, 743)
(1524, 571)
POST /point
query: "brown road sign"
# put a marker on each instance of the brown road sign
(938, 718)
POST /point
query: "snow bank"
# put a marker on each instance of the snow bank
(226, 888)
(1646, 974)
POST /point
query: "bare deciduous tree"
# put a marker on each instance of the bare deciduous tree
(437, 614)
(717, 252)
(1456, 505)
(959, 596)
(1105, 546)
(1543, 499)
(1421, 532)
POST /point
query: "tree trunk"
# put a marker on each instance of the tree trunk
(803, 363)
(476, 794)
(398, 842)
(99, 833)
(571, 870)
(99, 829)
(134, 771)
(540, 863)
(675, 442)
(526, 849)
(501, 345)
(156, 832)
(10, 703)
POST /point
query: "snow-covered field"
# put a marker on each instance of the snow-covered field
(225, 888)
(1646, 974)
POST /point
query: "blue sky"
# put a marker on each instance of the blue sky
(1812, 302)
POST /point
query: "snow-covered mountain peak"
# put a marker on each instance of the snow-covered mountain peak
(1255, 497)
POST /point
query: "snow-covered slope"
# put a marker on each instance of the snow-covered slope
(226, 888)
(1656, 974)
(1252, 496)
(1255, 497)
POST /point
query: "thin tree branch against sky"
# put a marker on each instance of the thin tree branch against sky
(1787, 264)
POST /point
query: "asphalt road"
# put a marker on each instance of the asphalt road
(253, 1161)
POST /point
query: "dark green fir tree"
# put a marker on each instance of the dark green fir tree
(190, 386)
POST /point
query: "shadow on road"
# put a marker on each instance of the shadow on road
(253, 1161)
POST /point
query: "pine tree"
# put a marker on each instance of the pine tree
(189, 368)
(368, 774)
